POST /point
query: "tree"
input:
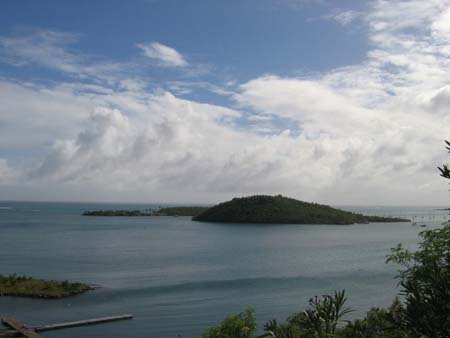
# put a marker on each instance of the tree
(445, 170)
(323, 316)
(425, 283)
(273, 329)
(242, 325)
(378, 323)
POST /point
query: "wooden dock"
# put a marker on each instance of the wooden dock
(17, 328)
(20, 328)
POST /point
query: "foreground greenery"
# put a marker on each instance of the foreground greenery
(279, 209)
(423, 313)
(169, 211)
(24, 286)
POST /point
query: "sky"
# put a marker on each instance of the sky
(198, 101)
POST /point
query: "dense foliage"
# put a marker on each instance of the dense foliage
(425, 283)
(323, 319)
(323, 316)
(242, 325)
(181, 211)
(24, 286)
(279, 209)
(378, 323)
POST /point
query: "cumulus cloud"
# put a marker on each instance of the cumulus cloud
(180, 143)
(366, 133)
(441, 26)
(167, 56)
(36, 115)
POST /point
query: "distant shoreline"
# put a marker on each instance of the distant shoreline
(169, 211)
(256, 209)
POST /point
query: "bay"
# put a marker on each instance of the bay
(178, 277)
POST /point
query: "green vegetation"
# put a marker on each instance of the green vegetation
(128, 213)
(279, 209)
(378, 323)
(242, 325)
(169, 211)
(24, 286)
(323, 319)
(445, 170)
(323, 316)
(425, 283)
(180, 211)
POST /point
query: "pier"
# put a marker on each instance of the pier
(17, 328)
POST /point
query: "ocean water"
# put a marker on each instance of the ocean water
(178, 277)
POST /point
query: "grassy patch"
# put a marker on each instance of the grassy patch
(23, 286)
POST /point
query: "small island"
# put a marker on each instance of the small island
(124, 213)
(280, 209)
(168, 211)
(24, 286)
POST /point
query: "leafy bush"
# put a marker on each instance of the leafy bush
(378, 323)
(242, 325)
(425, 283)
(273, 329)
(323, 316)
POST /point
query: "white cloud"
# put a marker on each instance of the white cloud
(441, 26)
(370, 133)
(167, 56)
(33, 115)
(7, 174)
(49, 49)
(346, 17)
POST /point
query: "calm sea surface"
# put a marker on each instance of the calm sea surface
(178, 277)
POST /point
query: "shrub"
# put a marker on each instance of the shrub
(322, 318)
(425, 282)
(242, 325)
(378, 323)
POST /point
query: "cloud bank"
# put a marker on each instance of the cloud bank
(370, 133)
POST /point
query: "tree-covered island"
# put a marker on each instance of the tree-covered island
(125, 213)
(280, 209)
(24, 286)
(257, 209)
(168, 211)
(180, 211)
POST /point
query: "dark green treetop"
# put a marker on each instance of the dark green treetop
(445, 170)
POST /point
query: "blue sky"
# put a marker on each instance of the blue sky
(242, 37)
(318, 99)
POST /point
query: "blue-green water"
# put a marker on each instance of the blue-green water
(178, 277)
